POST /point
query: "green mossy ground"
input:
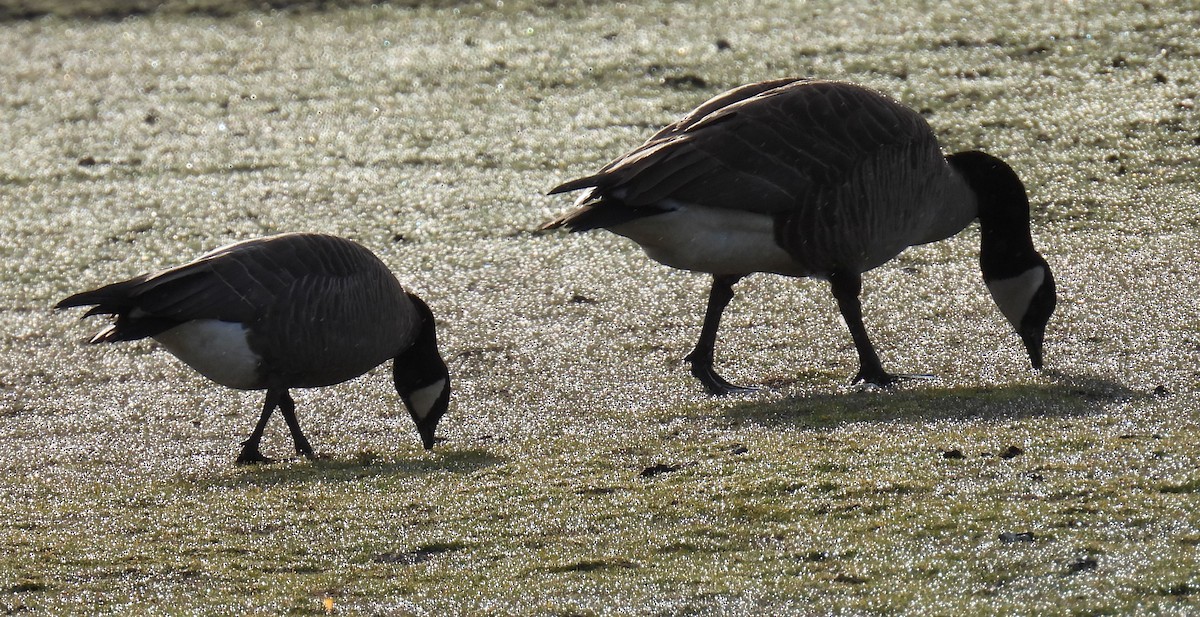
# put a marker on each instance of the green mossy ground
(584, 472)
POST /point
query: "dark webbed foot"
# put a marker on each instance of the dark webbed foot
(250, 455)
(884, 379)
(288, 408)
(303, 449)
(702, 356)
(846, 286)
(715, 384)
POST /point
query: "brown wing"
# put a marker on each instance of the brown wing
(235, 283)
(343, 314)
(248, 282)
(767, 148)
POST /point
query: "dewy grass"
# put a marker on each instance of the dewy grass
(584, 472)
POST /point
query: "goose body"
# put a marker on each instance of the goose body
(281, 312)
(816, 179)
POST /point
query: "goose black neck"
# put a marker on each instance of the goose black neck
(421, 364)
(1005, 244)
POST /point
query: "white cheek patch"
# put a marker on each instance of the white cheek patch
(216, 349)
(1013, 295)
(424, 398)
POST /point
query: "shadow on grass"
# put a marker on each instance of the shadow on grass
(1062, 396)
(364, 465)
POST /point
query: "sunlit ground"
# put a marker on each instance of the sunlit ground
(584, 472)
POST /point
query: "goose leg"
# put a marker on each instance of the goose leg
(250, 453)
(702, 356)
(288, 407)
(846, 288)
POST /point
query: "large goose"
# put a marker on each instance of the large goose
(818, 179)
(280, 312)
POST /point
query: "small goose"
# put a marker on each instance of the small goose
(819, 179)
(287, 311)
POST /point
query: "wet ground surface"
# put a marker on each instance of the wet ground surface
(584, 471)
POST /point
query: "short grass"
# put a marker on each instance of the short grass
(584, 472)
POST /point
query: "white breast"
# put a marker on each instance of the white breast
(216, 349)
(712, 240)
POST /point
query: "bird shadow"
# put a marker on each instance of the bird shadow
(1057, 395)
(359, 466)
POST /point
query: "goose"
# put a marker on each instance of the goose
(294, 310)
(813, 178)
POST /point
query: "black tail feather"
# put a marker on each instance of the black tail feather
(601, 214)
(117, 299)
(124, 328)
(108, 300)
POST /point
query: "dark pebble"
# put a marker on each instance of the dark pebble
(658, 469)
(1082, 565)
(683, 82)
(1182, 589)
(26, 586)
(419, 555)
(1012, 452)
(952, 454)
(1009, 537)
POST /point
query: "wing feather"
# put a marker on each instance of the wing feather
(240, 283)
(767, 148)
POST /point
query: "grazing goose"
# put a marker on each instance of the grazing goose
(287, 311)
(816, 179)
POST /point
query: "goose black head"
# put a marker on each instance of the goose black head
(1016, 275)
(421, 377)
